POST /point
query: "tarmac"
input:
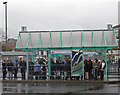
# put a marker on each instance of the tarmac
(58, 81)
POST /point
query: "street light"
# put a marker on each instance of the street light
(5, 21)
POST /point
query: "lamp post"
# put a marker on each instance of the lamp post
(5, 22)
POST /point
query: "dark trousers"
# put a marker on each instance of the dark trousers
(96, 73)
(37, 75)
(44, 75)
(30, 77)
(15, 74)
(23, 74)
(30, 74)
(101, 74)
(89, 73)
(52, 75)
(4, 74)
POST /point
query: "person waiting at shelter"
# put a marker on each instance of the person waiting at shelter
(61, 68)
(4, 66)
(58, 62)
(68, 68)
(37, 70)
(52, 68)
(10, 69)
(31, 69)
(23, 68)
(15, 69)
(43, 67)
(102, 68)
(91, 63)
(64, 69)
(95, 68)
(86, 69)
(90, 67)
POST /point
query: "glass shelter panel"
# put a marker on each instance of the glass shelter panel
(76, 39)
(87, 38)
(110, 38)
(55, 39)
(99, 38)
(66, 39)
(44, 40)
(22, 42)
(33, 40)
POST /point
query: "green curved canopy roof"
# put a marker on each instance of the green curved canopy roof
(73, 39)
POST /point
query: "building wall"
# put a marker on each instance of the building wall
(11, 45)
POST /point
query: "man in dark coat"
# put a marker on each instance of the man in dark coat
(31, 69)
(68, 68)
(10, 69)
(15, 69)
(85, 69)
(90, 67)
(23, 68)
(4, 66)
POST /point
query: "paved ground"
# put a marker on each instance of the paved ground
(59, 88)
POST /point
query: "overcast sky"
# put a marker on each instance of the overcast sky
(58, 14)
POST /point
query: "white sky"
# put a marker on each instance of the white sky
(58, 14)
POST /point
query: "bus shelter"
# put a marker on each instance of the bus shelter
(72, 40)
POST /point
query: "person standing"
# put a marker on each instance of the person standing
(68, 69)
(95, 68)
(37, 70)
(86, 69)
(58, 62)
(102, 68)
(15, 69)
(10, 69)
(31, 69)
(23, 68)
(43, 67)
(90, 67)
(4, 69)
(64, 69)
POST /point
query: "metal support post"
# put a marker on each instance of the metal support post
(106, 63)
(5, 23)
(101, 55)
(32, 56)
(83, 62)
(71, 62)
(27, 65)
(60, 39)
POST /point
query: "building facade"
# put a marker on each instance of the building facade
(11, 43)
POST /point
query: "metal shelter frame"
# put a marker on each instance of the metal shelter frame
(14, 54)
(66, 40)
